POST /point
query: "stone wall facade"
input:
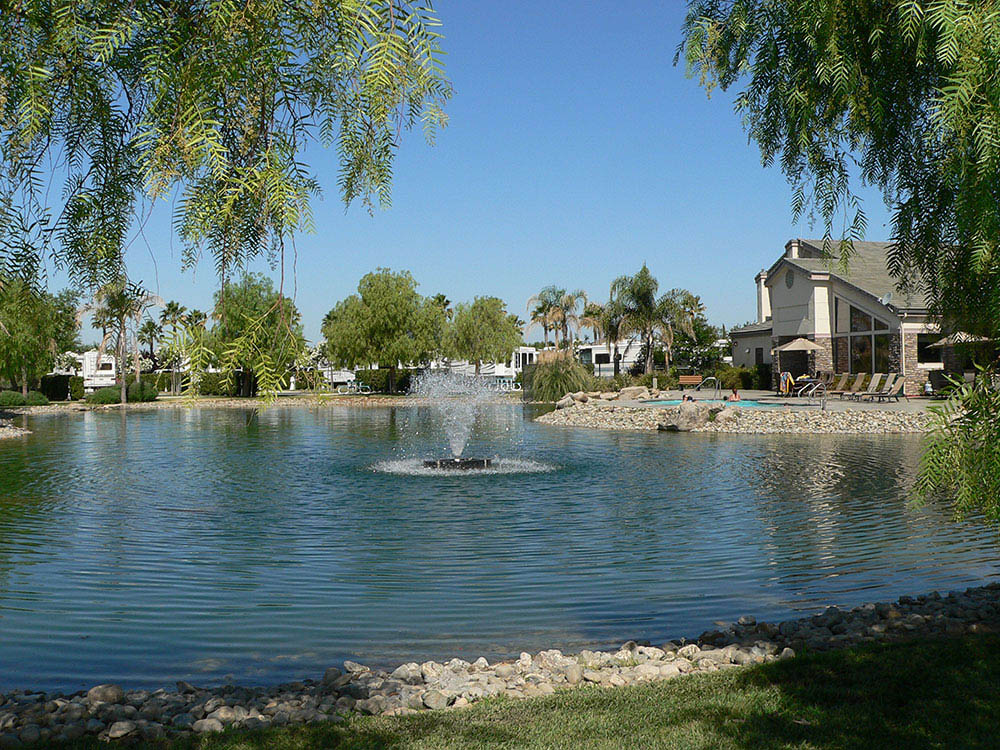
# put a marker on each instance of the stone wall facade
(822, 361)
(913, 377)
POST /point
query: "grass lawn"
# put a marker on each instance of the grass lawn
(928, 694)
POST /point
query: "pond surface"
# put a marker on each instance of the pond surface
(211, 545)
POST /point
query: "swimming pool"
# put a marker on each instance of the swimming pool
(748, 403)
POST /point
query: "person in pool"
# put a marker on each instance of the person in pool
(734, 396)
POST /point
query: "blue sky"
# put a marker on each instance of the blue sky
(576, 152)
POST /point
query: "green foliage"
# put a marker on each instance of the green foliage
(55, 387)
(76, 387)
(215, 384)
(141, 391)
(550, 381)
(11, 398)
(962, 456)
(212, 101)
(258, 337)
(112, 395)
(482, 332)
(386, 323)
(904, 95)
(34, 398)
(35, 326)
(379, 380)
(742, 378)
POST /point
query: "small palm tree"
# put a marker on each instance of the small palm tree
(591, 318)
(114, 307)
(149, 334)
(196, 318)
(541, 307)
(564, 313)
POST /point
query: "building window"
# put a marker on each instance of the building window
(861, 354)
(881, 350)
(927, 354)
(602, 359)
(860, 321)
(758, 356)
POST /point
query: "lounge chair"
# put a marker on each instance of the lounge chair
(896, 391)
(872, 391)
(873, 387)
(839, 385)
(855, 387)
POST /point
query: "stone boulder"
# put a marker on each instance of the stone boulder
(727, 416)
(565, 402)
(580, 397)
(634, 393)
(690, 415)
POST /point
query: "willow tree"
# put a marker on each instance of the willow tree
(207, 104)
(483, 332)
(387, 323)
(903, 95)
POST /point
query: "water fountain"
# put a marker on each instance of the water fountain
(458, 399)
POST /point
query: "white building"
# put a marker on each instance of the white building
(856, 314)
(98, 374)
(601, 356)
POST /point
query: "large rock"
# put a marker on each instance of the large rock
(203, 726)
(565, 402)
(727, 416)
(106, 694)
(121, 729)
(690, 415)
(633, 393)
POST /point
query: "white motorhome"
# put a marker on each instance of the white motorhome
(99, 370)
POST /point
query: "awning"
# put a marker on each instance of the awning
(959, 337)
(799, 345)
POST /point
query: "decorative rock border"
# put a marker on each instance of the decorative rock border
(8, 430)
(110, 713)
(604, 415)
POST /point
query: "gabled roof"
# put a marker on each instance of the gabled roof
(867, 270)
(751, 328)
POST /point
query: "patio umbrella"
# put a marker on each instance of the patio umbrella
(959, 338)
(799, 345)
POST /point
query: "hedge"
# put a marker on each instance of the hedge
(36, 399)
(140, 392)
(11, 398)
(76, 388)
(55, 387)
(110, 395)
(217, 384)
(379, 379)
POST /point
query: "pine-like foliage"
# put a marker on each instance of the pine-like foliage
(905, 94)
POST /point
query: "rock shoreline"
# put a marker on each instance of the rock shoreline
(8, 430)
(111, 713)
(600, 414)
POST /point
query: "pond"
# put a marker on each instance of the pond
(216, 545)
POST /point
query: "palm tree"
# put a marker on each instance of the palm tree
(149, 333)
(540, 309)
(172, 315)
(611, 322)
(678, 311)
(641, 308)
(564, 315)
(196, 318)
(114, 306)
(591, 318)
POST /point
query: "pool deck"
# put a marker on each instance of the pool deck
(835, 403)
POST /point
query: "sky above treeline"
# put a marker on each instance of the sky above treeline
(576, 151)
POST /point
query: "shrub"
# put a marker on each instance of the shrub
(110, 395)
(378, 380)
(742, 378)
(11, 398)
(215, 384)
(35, 398)
(140, 392)
(55, 387)
(550, 381)
(76, 388)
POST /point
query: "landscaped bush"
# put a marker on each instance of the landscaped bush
(140, 392)
(216, 384)
(742, 378)
(76, 388)
(55, 387)
(35, 398)
(11, 398)
(110, 395)
(550, 381)
(378, 380)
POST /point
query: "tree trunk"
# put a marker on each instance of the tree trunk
(545, 334)
(649, 355)
(24, 382)
(478, 363)
(618, 360)
(392, 380)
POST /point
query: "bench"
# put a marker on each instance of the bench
(694, 380)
